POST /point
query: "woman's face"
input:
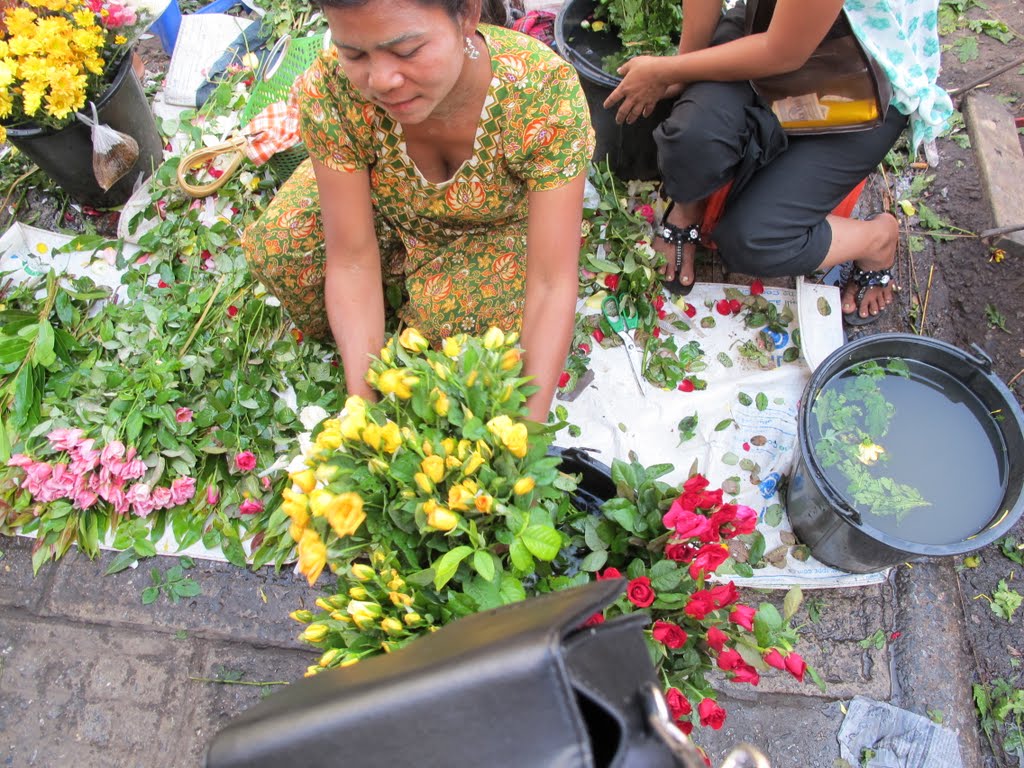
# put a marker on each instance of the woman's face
(402, 56)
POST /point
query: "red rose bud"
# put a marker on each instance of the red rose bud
(685, 726)
(659, 302)
(593, 621)
(162, 284)
(723, 307)
(746, 674)
(735, 306)
(716, 638)
(756, 288)
(662, 314)
(564, 378)
(609, 573)
(598, 335)
(774, 659)
(639, 592)
(656, 333)
(668, 634)
(690, 310)
(232, 310)
(686, 385)
(730, 659)
(584, 348)
(796, 666)
(744, 616)
(611, 282)
(678, 704)
(711, 715)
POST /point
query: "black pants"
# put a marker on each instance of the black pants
(783, 186)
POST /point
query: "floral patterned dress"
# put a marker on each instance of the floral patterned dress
(458, 248)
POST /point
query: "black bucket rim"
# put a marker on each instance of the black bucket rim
(998, 525)
(567, 49)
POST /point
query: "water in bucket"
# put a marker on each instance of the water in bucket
(910, 448)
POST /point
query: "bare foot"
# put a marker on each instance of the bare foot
(884, 232)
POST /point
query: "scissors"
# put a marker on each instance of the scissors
(623, 321)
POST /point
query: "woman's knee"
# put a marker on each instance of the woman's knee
(753, 245)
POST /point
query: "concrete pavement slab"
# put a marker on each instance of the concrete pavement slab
(18, 588)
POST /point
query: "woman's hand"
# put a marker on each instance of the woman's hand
(643, 85)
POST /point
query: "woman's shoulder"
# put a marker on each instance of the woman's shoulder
(516, 55)
(325, 78)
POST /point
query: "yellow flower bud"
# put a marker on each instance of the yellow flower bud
(494, 338)
(339, 616)
(386, 355)
(392, 626)
(450, 462)
(296, 511)
(396, 381)
(472, 464)
(471, 378)
(295, 531)
(312, 555)
(510, 359)
(319, 500)
(412, 619)
(397, 582)
(485, 449)
(353, 425)
(459, 497)
(323, 605)
(355, 404)
(310, 671)
(441, 403)
(346, 514)
(390, 437)
(442, 519)
(506, 393)
(516, 439)
(372, 435)
(306, 480)
(348, 662)
(523, 486)
(499, 425)
(449, 445)
(362, 572)
(413, 340)
(364, 614)
(428, 448)
(451, 347)
(329, 439)
(302, 616)
(325, 473)
(470, 485)
(400, 598)
(439, 369)
(314, 633)
(359, 593)
(330, 656)
(433, 467)
(423, 482)
(378, 466)
(484, 503)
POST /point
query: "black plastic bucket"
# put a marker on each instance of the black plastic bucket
(834, 531)
(629, 148)
(66, 155)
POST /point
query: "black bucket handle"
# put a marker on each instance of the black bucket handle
(981, 358)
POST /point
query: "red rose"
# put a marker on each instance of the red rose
(686, 385)
(662, 314)
(680, 553)
(711, 715)
(690, 310)
(726, 513)
(639, 592)
(708, 558)
(723, 307)
(724, 594)
(564, 378)
(659, 302)
(245, 461)
(756, 288)
(716, 638)
(598, 335)
(668, 634)
(700, 605)
(710, 499)
(232, 310)
(744, 673)
(687, 524)
(735, 306)
(744, 616)
(611, 282)
(730, 659)
(744, 522)
(796, 666)
(678, 704)
(593, 621)
(696, 484)
(774, 659)
(609, 573)
(685, 726)
(584, 348)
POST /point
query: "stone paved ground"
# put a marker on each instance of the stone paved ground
(89, 676)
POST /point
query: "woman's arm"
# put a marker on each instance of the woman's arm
(352, 284)
(796, 29)
(552, 281)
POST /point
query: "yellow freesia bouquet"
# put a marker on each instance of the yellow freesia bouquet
(57, 55)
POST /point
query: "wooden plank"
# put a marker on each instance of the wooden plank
(996, 146)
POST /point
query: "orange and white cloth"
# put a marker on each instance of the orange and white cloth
(274, 129)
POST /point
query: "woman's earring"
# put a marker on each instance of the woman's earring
(471, 51)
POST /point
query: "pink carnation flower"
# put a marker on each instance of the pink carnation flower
(65, 439)
(245, 461)
(251, 507)
(182, 490)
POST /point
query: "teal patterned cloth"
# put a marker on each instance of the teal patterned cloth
(903, 37)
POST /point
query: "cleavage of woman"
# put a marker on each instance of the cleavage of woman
(439, 149)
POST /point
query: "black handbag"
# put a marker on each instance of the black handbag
(839, 88)
(522, 686)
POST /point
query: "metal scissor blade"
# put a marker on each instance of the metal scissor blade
(634, 364)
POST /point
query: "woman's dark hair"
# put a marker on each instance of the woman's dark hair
(491, 11)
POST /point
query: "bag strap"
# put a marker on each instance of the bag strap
(201, 156)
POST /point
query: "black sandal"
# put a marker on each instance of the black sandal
(863, 279)
(680, 237)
